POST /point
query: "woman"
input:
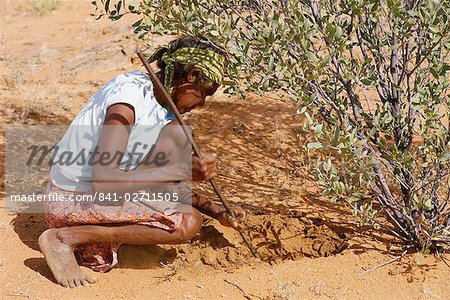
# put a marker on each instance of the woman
(127, 117)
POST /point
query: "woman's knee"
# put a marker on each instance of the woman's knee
(191, 225)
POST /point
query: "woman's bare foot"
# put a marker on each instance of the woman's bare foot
(61, 260)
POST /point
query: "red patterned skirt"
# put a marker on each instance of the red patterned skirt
(102, 257)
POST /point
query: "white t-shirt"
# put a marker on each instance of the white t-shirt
(72, 157)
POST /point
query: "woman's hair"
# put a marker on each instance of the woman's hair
(180, 69)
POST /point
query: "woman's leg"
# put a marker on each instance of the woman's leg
(58, 244)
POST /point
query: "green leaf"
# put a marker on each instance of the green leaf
(312, 56)
(444, 157)
(315, 145)
(228, 82)
(271, 38)
(115, 18)
(271, 63)
(318, 128)
(435, 73)
(336, 136)
(134, 4)
(137, 23)
(302, 110)
(119, 6)
(327, 166)
(427, 204)
(366, 81)
(107, 6)
(338, 32)
(434, 29)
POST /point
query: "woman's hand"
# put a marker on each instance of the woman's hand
(237, 222)
(204, 168)
(219, 212)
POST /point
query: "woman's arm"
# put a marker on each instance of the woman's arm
(109, 178)
(219, 212)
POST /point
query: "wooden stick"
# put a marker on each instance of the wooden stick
(385, 263)
(174, 109)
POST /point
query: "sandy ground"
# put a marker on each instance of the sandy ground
(50, 65)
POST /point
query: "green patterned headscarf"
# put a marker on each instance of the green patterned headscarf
(211, 63)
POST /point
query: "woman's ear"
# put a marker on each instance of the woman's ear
(193, 75)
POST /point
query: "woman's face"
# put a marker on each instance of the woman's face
(188, 95)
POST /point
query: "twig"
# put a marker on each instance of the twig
(167, 277)
(385, 264)
(246, 296)
(18, 295)
(444, 260)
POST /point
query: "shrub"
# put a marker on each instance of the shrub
(372, 78)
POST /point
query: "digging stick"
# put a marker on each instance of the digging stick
(213, 183)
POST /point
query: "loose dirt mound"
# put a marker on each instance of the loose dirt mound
(276, 238)
(279, 237)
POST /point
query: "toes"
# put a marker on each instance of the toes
(72, 283)
(91, 279)
(64, 283)
(84, 282)
(77, 282)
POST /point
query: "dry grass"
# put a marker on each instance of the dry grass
(14, 78)
(43, 7)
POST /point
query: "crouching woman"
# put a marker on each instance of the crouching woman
(128, 116)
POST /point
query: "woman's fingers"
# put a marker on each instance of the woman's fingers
(240, 214)
(238, 220)
(208, 164)
(204, 168)
(233, 222)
